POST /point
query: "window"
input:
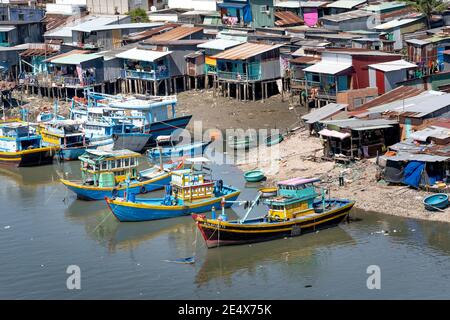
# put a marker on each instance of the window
(132, 161)
(113, 164)
(127, 162)
(21, 17)
(357, 102)
(104, 165)
(369, 98)
(264, 9)
(118, 163)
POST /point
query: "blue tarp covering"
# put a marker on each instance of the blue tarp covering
(413, 173)
(247, 14)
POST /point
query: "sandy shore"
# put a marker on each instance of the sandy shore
(299, 155)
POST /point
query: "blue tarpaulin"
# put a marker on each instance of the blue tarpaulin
(247, 14)
(413, 173)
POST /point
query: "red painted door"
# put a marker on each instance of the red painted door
(380, 81)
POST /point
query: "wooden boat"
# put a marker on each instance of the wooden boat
(104, 174)
(66, 135)
(240, 143)
(166, 147)
(189, 192)
(21, 148)
(273, 140)
(296, 209)
(436, 202)
(254, 175)
(268, 192)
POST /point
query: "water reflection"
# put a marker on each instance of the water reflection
(223, 263)
(32, 176)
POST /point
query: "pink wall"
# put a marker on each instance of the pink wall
(311, 16)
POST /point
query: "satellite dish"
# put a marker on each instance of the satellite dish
(153, 8)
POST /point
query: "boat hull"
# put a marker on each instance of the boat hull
(136, 212)
(166, 127)
(92, 193)
(28, 158)
(187, 150)
(219, 233)
(71, 154)
(132, 141)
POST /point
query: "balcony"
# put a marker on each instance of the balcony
(236, 76)
(144, 75)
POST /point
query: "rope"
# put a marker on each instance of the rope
(104, 219)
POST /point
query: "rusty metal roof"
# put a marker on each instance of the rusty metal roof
(138, 36)
(177, 33)
(287, 18)
(245, 51)
(305, 60)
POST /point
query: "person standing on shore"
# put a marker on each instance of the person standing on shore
(341, 179)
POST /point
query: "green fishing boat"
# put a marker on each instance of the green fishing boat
(254, 175)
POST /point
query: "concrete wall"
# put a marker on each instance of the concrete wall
(108, 6)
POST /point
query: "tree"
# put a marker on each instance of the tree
(138, 15)
(429, 7)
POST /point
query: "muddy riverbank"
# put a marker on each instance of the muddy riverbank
(299, 155)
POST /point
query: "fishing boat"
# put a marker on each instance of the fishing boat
(297, 208)
(20, 147)
(190, 191)
(274, 139)
(166, 147)
(66, 135)
(144, 117)
(238, 143)
(254, 175)
(436, 202)
(105, 174)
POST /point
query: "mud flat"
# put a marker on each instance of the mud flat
(299, 155)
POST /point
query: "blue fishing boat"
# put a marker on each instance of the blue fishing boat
(143, 117)
(66, 135)
(111, 173)
(436, 202)
(166, 147)
(22, 148)
(296, 209)
(189, 192)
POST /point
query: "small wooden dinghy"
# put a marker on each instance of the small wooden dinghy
(268, 192)
(254, 175)
(273, 140)
(436, 202)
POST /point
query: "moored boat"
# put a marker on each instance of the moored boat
(436, 202)
(254, 175)
(189, 192)
(19, 147)
(296, 209)
(166, 147)
(66, 135)
(111, 173)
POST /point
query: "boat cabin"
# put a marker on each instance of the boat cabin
(295, 198)
(108, 168)
(188, 185)
(65, 133)
(15, 136)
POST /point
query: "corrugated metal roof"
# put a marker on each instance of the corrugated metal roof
(356, 124)
(313, 4)
(305, 60)
(122, 26)
(75, 59)
(287, 18)
(347, 16)
(328, 68)
(219, 44)
(245, 51)
(395, 23)
(384, 6)
(324, 112)
(346, 4)
(405, 156)
(393, 65)
(419, 106)
(177, 33)
(97, 22)
(65, 54)
(431, 132)
(143, 55)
